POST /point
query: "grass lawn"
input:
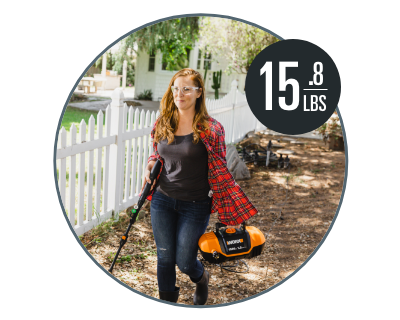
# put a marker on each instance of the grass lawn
(74, 115)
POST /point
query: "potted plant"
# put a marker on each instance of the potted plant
(332, 132)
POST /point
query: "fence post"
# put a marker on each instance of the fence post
(115, 163)
(234, 86)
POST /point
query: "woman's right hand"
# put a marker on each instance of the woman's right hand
(147, 175)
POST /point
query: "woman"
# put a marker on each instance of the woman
(193, 182)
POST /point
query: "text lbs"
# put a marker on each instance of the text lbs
(314, 103)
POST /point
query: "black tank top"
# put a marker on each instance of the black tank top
(185, 172)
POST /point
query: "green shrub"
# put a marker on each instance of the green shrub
(78, 97)
(145, 95)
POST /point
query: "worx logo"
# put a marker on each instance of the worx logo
(234, 241)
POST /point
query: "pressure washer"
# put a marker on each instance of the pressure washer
(227, 244)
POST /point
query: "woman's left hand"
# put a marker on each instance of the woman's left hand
(237, 226)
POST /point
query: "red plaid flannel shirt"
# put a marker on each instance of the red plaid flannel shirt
(228, 200)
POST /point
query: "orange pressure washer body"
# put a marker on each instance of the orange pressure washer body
(231, 244)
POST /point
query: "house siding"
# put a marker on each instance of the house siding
(144, 79)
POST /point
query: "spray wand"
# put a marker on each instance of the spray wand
(136, 208)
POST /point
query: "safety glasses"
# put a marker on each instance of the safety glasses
(184, 90)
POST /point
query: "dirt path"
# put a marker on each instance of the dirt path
(315, 184)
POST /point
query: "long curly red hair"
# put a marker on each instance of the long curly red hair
(167, 122)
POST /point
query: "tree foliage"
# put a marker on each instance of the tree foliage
(172, 37)
(238, 42)
(114, 64)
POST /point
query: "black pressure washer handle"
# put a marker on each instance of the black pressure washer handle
(219, 225)
(135, 211)
(153, 175)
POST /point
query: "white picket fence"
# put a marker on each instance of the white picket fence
(111, 165)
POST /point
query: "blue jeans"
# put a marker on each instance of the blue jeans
(177, 227)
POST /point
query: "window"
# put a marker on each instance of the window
(152, 62)
(207, 60)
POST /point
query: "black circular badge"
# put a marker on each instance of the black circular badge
(293, 87)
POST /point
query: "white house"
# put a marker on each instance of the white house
(150, 73)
